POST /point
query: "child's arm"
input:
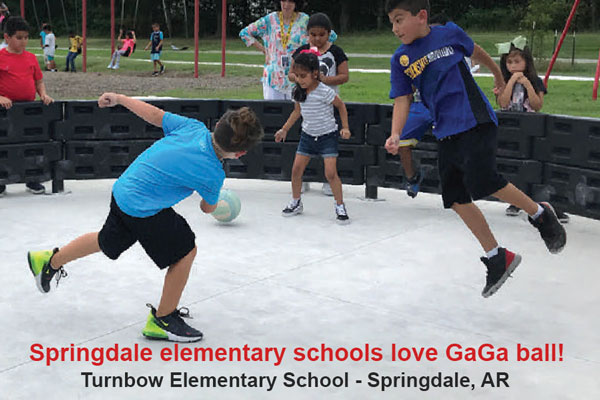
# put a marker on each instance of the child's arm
(342, 76)
(506, 93)
(147, 112)
(399, 117)
(40, 88)
(480, 56)
(208, 208)
(5, 102)
(339, 104)
(282, 133)
(536, 99)
(148, 45)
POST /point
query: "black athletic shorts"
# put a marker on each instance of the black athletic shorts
(166, 237)
(467, 165)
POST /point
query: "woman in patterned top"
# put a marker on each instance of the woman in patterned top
(282, 32)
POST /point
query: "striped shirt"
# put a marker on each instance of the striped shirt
(317, 111)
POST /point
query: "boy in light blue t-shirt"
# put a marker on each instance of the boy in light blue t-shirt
(186, 160)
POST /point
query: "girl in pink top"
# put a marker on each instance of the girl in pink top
(126, 49)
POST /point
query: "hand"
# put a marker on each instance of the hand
(392, 144)
(523, 80)
(345, 133)
(46, 99)
(499, 86)
(5, 102)
(280, 135)
(108, 100)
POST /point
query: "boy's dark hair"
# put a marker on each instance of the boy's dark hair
(439, 19)
(48, 28)
(319, 20)
(412, 6)
(156, 24)
(309, 62)
(14, 24)
(238, 130)
(530, 71)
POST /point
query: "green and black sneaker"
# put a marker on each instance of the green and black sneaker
(171, 327)
(39, 264)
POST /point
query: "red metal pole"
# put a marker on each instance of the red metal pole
(23, 9)
(595, 93)
(223, 35)
(560, 42)
(196, 29)
(112, 27)
(84, 32)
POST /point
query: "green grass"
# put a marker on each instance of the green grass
(564, 97)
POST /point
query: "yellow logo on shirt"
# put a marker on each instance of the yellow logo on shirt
(404, 60)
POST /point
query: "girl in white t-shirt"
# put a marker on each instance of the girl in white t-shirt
(314, 101)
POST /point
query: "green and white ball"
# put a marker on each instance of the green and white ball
(228, 206)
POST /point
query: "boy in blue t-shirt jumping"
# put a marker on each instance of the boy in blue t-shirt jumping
(431, 59)
(187, 160)
(156, 44)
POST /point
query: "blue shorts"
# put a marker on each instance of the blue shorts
(155, 56)
(313, 146)
(419, 121)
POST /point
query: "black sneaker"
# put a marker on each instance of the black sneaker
(413, 185)
(162, 69)
(512, 211)
(294, 208)
(551, 230)
(499, 269)
(2, 190)
(341, 214)
(39, 264)
(35, 188)
(170, 327)
(562, 216)
(155, 73)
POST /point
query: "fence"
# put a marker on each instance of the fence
(552, 158)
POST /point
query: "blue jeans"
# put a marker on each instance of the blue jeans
(71, 61)
(324, 145)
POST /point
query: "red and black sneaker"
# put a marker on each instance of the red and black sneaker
(550, 228)
(499, 268)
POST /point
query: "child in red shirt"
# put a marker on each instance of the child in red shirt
(20, 76)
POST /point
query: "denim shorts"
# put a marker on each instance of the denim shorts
(314, 146)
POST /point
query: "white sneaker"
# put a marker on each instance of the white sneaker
(327, 189)
(341, 214)
(293, 208)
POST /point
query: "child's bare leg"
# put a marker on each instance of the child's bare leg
(512, 195)
(300, 163)
(333, 179)
(406, 160)
(475, 221)
(83, 246)
(175, 281)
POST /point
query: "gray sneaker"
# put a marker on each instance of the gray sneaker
(293, 208)
(341, 214)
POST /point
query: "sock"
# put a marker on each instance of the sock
(539, 212)
(492, 252)
(296, 201)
